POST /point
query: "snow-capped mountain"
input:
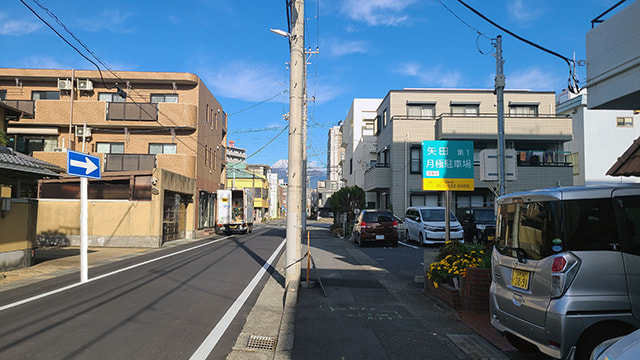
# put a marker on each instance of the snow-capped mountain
(281, 166)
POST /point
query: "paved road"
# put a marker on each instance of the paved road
(164, 309)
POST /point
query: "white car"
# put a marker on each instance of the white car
(426, 225)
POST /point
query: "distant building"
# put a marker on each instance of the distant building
(599, 138)
(235, 154)
(359, 143)
(335, 154)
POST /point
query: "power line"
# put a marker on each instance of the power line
(574, 84)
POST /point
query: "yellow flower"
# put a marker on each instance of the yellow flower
(435, 284)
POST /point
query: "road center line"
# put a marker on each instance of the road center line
(407, 245)
(68, 287)
(214, 336)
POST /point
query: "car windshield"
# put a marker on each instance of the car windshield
(435, 215)
(484, 215)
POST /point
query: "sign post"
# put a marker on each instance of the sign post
(85, 166)
(446, 166)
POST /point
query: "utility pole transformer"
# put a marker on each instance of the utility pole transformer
(295, 176)
(499, 88)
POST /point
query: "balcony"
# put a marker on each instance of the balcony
(377, 177)
(107, 114)
(485, 126)
(27, 107)
(129, 162)
(123, 111)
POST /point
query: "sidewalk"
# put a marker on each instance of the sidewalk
(367, 314)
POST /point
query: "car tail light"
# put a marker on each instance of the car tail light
(559, 263)
(363, 224)
(563, 271)
(395, 223)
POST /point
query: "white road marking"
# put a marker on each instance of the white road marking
(407, 245)
(214, 336)
(68, 287)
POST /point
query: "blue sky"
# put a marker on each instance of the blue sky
(366, 48)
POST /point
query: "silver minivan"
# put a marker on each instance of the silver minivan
(566, 268)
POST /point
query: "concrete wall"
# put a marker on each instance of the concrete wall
(18, 229)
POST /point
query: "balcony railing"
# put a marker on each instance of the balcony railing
(547, 127)
(377, 177)
(26, 106)
(129, 162)
(122, 111)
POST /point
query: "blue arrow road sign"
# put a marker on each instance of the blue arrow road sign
(80, 164)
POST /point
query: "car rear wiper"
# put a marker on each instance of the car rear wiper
(521, 254)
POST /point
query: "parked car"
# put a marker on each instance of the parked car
(620, 348)
(566, 268)
(400, 227)
(479, 224)
(426, 225)
(376, 226)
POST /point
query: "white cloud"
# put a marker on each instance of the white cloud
(42, 62)
(17, 27)
(339, 47)
(532, 78)
(377, 12)
(111, 20)
(433, 77)
(525, 13)
(243, 81)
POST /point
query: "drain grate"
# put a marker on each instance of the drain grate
(261, 342)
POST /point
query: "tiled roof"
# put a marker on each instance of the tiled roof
(629, 163)
(17, 162)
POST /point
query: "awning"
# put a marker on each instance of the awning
(33, 131)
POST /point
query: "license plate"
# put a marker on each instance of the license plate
(520, 279)
(379, 237)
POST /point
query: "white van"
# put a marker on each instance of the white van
(426, 224)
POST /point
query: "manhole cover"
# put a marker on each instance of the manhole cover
(261, 342)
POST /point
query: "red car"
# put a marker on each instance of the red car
(376, 226)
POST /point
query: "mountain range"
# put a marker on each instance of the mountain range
(281, 166)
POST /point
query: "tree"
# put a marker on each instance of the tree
(346, 200)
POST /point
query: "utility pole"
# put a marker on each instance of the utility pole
(499, 88)
(296, 103)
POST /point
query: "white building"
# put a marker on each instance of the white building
(335, 154)
(273, 195)
(599, 138)
(235, 154)
(359, 142)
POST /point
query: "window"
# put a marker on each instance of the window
(624, 121)
(383, 157)
(426, 111)
(3, 95)
(415, 159)
(368, 126)
(350, 166)
(385, 118)
(525, 110)
(111, 97)
(110, 148)
(465, 109)
(162, 148)
(378, 124)
(164, 98)
(45, 95)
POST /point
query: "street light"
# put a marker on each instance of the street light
(280, 32)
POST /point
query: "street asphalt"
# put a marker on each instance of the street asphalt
(352, 308)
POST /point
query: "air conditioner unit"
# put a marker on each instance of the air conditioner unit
(85, 85)
(59, 149)
(64, 84)
(80, 129)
